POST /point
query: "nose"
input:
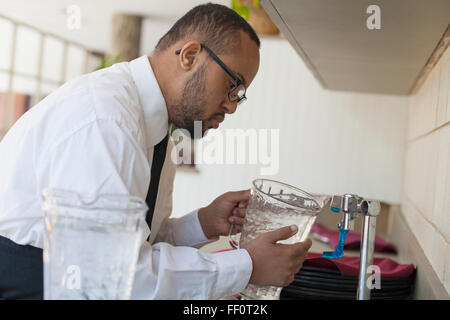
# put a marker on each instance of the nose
(230, 107)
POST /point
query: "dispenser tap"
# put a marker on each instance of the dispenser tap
(351, 205)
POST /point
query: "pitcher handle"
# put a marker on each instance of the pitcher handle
(233, 243)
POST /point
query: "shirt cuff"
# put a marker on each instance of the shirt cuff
(235, 268)
(190, 231)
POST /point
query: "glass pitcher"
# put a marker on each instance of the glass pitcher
(91, 245)
(274, 205)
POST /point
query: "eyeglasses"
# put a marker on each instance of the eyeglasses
(238, 89)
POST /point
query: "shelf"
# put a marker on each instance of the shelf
(335, 43)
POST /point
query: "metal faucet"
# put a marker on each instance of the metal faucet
(352, 205)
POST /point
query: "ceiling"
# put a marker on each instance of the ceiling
(332, 38)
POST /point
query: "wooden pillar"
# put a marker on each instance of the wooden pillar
(125, 36)
(261, 22)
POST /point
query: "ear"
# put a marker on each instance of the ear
(189, 54)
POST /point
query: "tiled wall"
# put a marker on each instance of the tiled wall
(426, 185)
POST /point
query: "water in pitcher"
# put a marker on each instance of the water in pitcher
(262, 217)
(267, 214)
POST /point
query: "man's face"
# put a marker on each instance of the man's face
(204, 95)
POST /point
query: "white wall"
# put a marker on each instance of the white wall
(426, 196)
(330, 142)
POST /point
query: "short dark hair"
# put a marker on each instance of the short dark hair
(216, 26)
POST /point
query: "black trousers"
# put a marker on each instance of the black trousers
(21, 271)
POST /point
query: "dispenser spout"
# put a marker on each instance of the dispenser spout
(339, 251)
(348, 204)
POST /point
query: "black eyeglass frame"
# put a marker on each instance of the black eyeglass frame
(236, 79)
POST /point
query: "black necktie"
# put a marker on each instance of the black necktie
(159, 154)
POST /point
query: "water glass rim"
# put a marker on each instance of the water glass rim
(109, 201)
(312, 197)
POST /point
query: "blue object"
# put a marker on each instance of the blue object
(339, 251)
(334, 209)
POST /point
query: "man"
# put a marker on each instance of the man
(107, 132)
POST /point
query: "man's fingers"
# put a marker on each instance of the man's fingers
(243, 204)
(301, 248)
(307, 243)
(239, 196)
(236, 220)
(239, 212)
(237, 229)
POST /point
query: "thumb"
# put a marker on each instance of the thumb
(281, 234)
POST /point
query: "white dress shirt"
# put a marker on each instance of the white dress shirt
(96, 134)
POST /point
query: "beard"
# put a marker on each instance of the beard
(192, 104)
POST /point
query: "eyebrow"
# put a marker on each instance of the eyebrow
(242, 77)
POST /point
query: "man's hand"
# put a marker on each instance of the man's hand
(276, 264)
(217, 218)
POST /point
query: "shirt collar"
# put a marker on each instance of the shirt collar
(152, 100)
